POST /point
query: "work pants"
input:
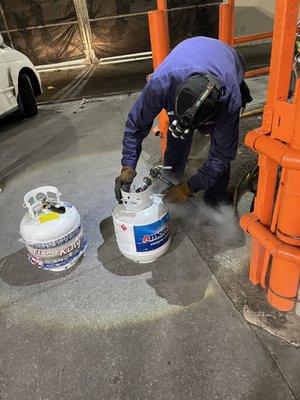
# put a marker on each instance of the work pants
(176, 156)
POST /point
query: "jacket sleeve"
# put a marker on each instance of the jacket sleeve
(140, 120)
(222, 151)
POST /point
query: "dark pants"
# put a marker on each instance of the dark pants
(176, 156)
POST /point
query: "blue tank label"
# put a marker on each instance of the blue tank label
(152, 236)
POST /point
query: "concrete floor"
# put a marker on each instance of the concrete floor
(111, 329)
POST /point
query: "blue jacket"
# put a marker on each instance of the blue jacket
(192, 56)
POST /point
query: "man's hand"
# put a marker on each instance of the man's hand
(178, 193)
(123, 181)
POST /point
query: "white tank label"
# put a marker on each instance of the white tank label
(152, 236)
(125, 237)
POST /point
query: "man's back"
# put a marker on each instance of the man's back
(202, 55)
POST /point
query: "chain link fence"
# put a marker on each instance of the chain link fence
(194, 18)
(46, 31)
(119, 27)
(57, 31)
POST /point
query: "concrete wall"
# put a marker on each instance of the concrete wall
(254, 16)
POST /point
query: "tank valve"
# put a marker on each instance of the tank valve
(47, 204)
(154, 174)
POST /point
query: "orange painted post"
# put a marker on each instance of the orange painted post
(223, 23)
(280, 72)
(272, 140)
(226, 23)
(159, 36)
(284, 276)
(160, 47)
(162, 5)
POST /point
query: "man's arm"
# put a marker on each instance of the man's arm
(140, 120)
(222, 151)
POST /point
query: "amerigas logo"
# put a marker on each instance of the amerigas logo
(152, 236)
(155, 236)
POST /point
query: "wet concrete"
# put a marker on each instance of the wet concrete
(111, 329)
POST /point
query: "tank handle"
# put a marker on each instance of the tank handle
(35, 197)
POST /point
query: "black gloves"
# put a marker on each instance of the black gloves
(123, 181)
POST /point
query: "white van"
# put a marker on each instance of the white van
(20, 83)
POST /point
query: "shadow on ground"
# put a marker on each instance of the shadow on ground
(174, 276)
(15, 270)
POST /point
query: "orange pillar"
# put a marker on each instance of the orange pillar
(278, 87)
(285, 275)
(159, 36)
(160, 47)
(226, 22)
(280, 133)
(162, 5)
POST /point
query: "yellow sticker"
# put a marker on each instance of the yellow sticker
(48, 217)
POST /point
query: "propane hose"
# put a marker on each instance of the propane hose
(247, 183)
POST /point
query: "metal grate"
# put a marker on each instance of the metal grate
(120, 36)
(121, 27)
(50, 45)
(197, 18)
(53, 31)
(107, 8)
(45, 30)
(31, 13)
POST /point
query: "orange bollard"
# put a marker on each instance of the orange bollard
(162, 5)
(159, 36)
(280, 73)
(283, 284)
(224, 31)
(160, 47)
(285, 276)
(275, 230)
(226, 22)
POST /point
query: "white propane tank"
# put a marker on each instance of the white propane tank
(51, 230)
(141, 226)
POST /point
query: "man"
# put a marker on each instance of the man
(199, 84)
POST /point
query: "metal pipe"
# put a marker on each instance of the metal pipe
(31, 28)
(162, 5)
(274, 149)
(284, 251)
(160, 47)
(225, 28)
(6, 26)
(85, 29)
(278, 88)
(251, 113)
(285, 272)
(252, 38)
(159, 36)
(123, 60)
(126, 56)
(257, 72)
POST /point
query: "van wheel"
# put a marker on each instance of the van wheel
(26, 98)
